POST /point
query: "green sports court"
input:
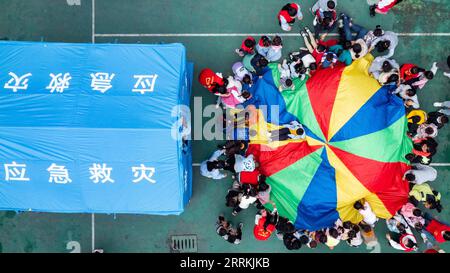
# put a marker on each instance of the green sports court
(210, 31)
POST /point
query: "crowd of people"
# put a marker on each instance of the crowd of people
(406, 80)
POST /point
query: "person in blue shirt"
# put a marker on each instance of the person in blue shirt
(329, 59)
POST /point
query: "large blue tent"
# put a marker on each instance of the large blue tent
(94, 128)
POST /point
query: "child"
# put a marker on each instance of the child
(422, 79)
(317, 49)
(264, 190)
(240, 71)
(211, 168)
(288, 14)
(372, 37)
(285, 76)
(389, 40)
(247, 47)
(233, 147)
(320, 236)
(265, 224)
(425, 131)
(324, 21)
(328, 60)
(413, 216)
(382, 64)
(359, 49)
(333, 238)
(326, 5)
(305, 238)
(420, 174)
(439, 230)
(248, 198)
(307, 59)
(274, 52)
(354, 237)
(222, 227)
(368, 234)
(365, 210)
(259, 65)
(438, 119)
(229, 234)
(343, 52)
(424, 193)
(234, 96)
(409, 71)
(263, 45)
(293, 130)
(406, 241)
(391, 77)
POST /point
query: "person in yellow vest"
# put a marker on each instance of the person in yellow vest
(425, 194)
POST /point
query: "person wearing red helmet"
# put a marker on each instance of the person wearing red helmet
(212, 81)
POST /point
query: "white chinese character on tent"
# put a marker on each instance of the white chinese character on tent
(59, 82)
(142, 172)
(100, 173)
(17, 83)
(144, 83)
(58, 174)
(101, 81)
(15, 172)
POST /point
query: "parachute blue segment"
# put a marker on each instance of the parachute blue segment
(95, 128)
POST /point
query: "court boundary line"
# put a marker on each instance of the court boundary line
(400, 34)
(93, 21)
(92, 232)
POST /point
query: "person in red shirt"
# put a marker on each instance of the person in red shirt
(213, 81)
(251, 178)
(439, 230)
(247, 47)
(288, 13)
(317, 48)
(409, 72)
(265, 224)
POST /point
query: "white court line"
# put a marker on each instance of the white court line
(440, 164)
(432, 164)
(93, 21)
(401, 34)
(93, 231)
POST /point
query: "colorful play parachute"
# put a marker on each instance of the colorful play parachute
(355, 147)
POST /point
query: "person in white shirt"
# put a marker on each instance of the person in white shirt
(240, 71)
(288, 14)
(426, 130)
(246, 164)
(212, 167)
(420, 174)
(325, 5)
(365, 210)
(389, 40)
(293, 130)
(382, 64)
(249, 196)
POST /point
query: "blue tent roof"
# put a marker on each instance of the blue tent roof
(88, 128)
